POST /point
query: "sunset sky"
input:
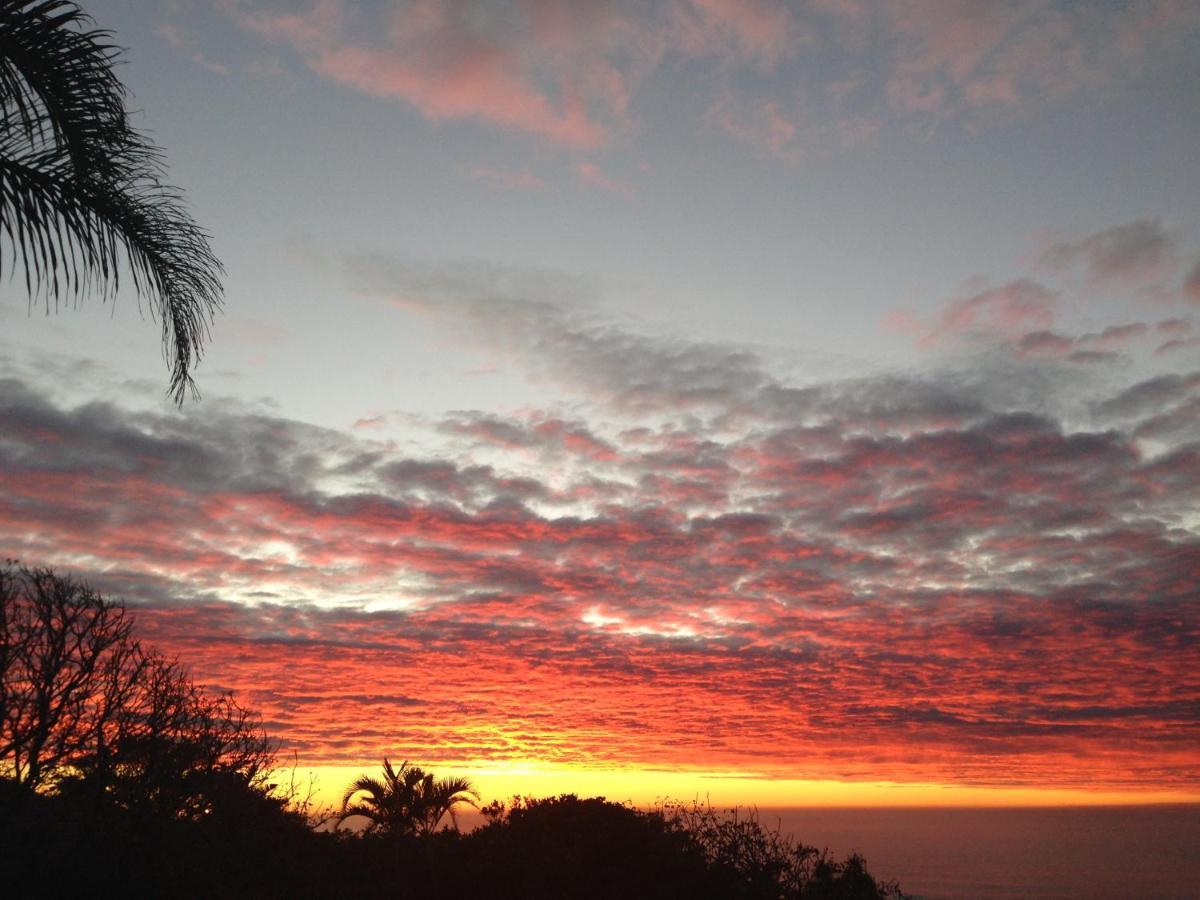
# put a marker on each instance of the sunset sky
(790, 402)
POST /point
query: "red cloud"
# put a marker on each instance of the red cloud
(978, 597)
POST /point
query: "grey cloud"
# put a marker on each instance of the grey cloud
(839, 493)
(1148, 396)
(1191, 284)
(538, 316)
(1140, 250)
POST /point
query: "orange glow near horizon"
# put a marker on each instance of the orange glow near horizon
(644, 787)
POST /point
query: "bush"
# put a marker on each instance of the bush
(118, 774)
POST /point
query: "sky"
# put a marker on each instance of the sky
(785, 402)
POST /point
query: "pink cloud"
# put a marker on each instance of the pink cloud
(569, 84)
(1174, 327)
(256, 331)
(568, 72)
(1148, 22)
(952, 56)
(757, 30)
(1097, 347)
(1178, 344)
(761, 124)
(593, 175)
(1191, 284)
(904, 322)
(1006, 311)
(942, 40)
(1115, 337)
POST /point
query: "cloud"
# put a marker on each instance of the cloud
(1102, 346)
(1005, 311)
(1149, 396)
(1175, 327)
(772, 591)
(1134, 253)
(179, 38)
(954, 58)
(561, 72)
(762, 125)
(570, 73)
(1191, 284)
(549, 435)
(760, 31)
(1177, 345)
(543, 319)
(593, 175)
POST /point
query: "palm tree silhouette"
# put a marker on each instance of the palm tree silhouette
(81, 191)
(407, 800)
(439, 796)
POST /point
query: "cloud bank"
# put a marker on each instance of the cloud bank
(569, 74)
(952, 577)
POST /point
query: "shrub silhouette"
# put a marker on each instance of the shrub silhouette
(590, 848)
(586, 848)
(118, 775)
(760, 862)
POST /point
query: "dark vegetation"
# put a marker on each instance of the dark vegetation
(82, 195)
(118, 774)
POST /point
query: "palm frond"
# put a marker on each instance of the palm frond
(82, 192)
(358, 809)
(365, 784)
(453, 786)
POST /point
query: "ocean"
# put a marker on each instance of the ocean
(1074, 852)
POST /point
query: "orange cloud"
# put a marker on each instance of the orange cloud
(888, 581)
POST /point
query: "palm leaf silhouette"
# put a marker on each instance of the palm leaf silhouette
(81, 191)
(407, 800)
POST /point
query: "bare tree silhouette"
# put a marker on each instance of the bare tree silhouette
(85, 707)
(68, 665)
(81, 191)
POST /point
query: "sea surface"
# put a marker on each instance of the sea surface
(1076, 852)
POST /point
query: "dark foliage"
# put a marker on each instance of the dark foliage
(84, 845)
(68, 665)
(573, 848)
(67, 845)
(119, 776)
(86, 709)
(756, 861)
(81, 190)
(406, 801)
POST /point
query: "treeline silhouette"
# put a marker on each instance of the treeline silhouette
(118, 774)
